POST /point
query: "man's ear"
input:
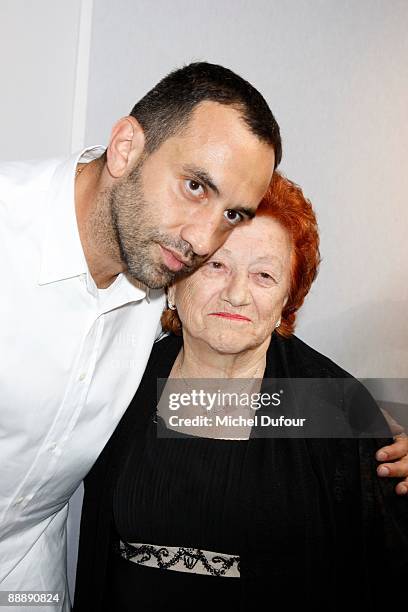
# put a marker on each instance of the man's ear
(125, 147)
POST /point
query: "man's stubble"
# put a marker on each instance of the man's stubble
(126, 224)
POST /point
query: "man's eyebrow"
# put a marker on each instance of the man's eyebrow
(203, 176)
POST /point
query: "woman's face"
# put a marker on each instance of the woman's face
(234, 300)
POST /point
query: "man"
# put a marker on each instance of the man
(86, 246)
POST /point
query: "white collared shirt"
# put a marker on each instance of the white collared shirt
(71, 359)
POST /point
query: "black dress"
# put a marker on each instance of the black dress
(178, 492)
(309, 518)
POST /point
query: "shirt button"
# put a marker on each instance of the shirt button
(82, 376)
(52, 446)
(20, 500)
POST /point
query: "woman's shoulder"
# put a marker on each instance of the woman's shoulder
(347, 393)
(302, 360)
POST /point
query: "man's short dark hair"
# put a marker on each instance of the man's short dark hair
(166, 109)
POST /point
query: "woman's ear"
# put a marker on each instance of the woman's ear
(171, 294)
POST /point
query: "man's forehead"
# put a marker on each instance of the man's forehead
(209, 112)
(211, 122)
(237, 162)
(219, 130)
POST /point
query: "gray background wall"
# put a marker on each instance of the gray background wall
(335, 75)
(39, 56)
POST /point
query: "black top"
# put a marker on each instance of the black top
(168, 485)
(309, 518)
(177, 492)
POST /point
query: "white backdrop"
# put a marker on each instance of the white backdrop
(38, 51)
(335, 75)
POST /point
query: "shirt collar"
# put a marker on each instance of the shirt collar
(61, 249)
(62, 255)
(121, 291)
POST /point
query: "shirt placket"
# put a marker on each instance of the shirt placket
(46, 462)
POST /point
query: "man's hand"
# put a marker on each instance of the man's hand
(397, 469)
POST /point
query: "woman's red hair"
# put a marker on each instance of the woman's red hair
(284, 201)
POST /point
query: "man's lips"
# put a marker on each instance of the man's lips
(173, 260)
(229, 315)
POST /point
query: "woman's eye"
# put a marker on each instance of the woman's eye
(194, 188)
(266, 278)
(215, 265)
(213, 270)
(233, 217)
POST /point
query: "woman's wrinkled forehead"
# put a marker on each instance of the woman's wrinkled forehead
(261, 239)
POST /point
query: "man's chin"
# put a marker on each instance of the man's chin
(153, 280)
(157, 276)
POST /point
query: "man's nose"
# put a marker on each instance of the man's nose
(236, 291)
(204, 234)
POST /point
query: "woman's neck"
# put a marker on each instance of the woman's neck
(198, 360)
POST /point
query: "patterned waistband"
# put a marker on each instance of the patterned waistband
(181, 559)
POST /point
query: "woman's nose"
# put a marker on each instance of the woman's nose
(236, 292)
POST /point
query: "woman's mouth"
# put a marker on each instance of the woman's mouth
(229, 315)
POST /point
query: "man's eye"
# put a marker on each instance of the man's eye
(194, 188)
(233, 217)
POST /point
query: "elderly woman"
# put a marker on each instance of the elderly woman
(191, 522)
